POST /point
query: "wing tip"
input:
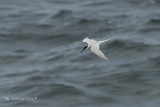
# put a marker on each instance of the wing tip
(85, 39)
(106, 58)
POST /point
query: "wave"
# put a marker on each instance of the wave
(56, 90)
(155, 61)
(87, 21)
(62, 13)
(153, 21)
(99, 3)
(146, 64)
(9, 59)
(129, 45)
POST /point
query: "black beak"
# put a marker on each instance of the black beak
(84, 48)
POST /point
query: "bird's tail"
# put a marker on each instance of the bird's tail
(105, 40)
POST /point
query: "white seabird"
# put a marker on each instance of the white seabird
(94, 46)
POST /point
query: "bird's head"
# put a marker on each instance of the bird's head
(84, 48)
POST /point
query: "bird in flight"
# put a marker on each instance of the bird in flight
(94, 46)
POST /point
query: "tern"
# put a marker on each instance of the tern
(94, 46)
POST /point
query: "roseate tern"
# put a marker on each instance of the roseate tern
(94, 46)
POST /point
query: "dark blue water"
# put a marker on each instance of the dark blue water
(41, 64)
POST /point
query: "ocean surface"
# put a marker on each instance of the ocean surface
(41, 64)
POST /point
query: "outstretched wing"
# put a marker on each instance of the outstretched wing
(95, 49)
(104, 40)
(89, 41)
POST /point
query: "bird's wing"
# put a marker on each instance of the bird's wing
(95, 49)
(89, 41)
(104, 40)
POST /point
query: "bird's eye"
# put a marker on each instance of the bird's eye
(85, 47)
